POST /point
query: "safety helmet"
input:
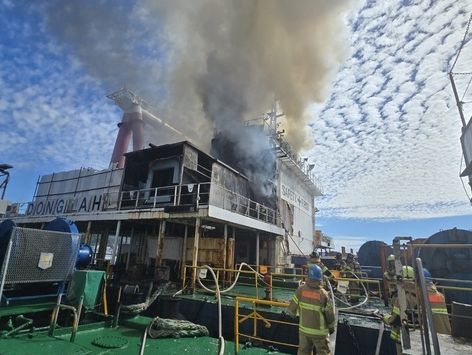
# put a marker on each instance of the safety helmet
(391, 257)
(315, 273)
(427, 275)
(408, 272)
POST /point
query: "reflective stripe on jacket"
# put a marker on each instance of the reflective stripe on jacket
(315, 309)
(438, 306)
(394, 321)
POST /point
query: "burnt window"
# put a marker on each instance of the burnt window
(162, 177)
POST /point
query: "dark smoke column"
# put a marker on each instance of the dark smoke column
(131, 124)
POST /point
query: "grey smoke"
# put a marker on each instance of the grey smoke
(209, 65)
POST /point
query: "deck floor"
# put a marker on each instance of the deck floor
(447, 344)
(39, 343)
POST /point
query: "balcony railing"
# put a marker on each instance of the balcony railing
(177, 195)
(186, 195)
(197, 195)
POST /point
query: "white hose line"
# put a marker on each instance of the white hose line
(179, 292)
(332, 338)
(233, 284)
(359, 304)
(332, 294)
(221, 340)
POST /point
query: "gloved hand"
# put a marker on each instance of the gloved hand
(331, 331)
(385, 318)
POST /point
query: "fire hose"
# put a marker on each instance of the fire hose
(358, 304)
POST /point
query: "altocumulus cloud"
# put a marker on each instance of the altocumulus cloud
(52, 114)
(387, 139)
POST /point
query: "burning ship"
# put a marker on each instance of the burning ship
(159, 213)
(176, 248)
(133, 251)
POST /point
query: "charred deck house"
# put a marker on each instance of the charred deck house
(157, 209)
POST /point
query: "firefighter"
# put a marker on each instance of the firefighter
(340, 263)
(351, 270)
(316, 314)
(438, 306)
(268, 288)
(315, 259)
(352, 264)
(389, 275)
(393, 319)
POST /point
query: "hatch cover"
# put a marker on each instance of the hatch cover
(110, 342)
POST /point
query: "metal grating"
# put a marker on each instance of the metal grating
(27, 247)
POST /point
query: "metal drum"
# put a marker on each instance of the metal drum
(370, 253)
(61, 225)
(370, 257)
(453, 263)
(84, 256)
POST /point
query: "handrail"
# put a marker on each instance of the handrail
(259, 283)
(426, 308)
(224, 270)
(206, 193)
(255, 316)
(75, 311)
(445, 246)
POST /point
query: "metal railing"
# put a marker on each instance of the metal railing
(256, 317)
(175, 195)
(197, 195)
(278, 283)
(224, 277)
(192, 195)
(276, 269)
(234, 202)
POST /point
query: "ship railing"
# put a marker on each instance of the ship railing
(196, 195)
(279, 269)
(249, 282)
(457, 292)
(254, 315)
(235, 202)
(277, 285)
(172, 195)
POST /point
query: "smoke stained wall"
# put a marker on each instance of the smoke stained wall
(209, 65)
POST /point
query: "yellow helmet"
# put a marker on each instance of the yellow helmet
(408, 272)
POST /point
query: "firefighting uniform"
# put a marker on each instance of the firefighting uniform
(316, 313)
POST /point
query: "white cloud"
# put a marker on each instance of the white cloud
(389, 146)
(52, 114)
(349, 242)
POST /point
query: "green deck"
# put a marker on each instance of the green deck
(131, 332)
(26, 308)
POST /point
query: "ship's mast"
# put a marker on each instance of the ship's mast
(466, 136)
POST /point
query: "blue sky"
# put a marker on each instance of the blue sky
(386, 135)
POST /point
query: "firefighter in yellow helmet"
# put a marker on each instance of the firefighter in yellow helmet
(316, 314)
(393, 319)
(389, 276)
